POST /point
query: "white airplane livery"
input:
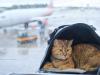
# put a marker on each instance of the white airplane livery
(23, 13)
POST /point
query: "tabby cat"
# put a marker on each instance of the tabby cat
(86, 56)
(62, 54)
(61, 57)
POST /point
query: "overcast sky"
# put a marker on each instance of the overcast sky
(55, 2)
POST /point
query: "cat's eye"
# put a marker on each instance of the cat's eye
(60, 49)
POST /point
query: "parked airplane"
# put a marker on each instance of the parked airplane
(23, 14)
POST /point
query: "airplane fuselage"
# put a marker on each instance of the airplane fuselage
(23, 14)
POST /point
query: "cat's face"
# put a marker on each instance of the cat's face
(62, 49)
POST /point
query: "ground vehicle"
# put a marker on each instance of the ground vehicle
(24, 38)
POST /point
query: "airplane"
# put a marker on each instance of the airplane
(24, 13)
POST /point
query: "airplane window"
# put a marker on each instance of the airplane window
(27, 6)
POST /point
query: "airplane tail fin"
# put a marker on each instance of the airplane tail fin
(50, 4)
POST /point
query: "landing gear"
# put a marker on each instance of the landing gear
(26, 26)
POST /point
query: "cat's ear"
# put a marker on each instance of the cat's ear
(69, 42)
(55, 42)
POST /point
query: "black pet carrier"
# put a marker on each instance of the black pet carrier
(80, 33)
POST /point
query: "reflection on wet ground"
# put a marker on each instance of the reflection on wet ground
(19, 58)
(3, 51)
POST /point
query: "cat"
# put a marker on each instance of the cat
(86, 56)
(81, 56)
(62, 54)
(61, 57)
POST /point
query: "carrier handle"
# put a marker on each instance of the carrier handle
(58, 30)
(93, 27)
